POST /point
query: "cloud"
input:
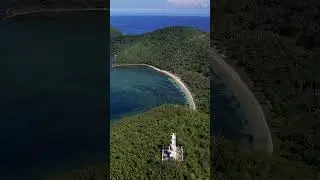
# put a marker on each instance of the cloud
(190, 3)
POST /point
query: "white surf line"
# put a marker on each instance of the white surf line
(11, 14)
(179, 82)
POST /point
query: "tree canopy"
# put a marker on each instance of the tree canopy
(274, 46)
(136, 143)
(181, 50)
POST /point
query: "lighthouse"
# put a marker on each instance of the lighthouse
(173, 147)
(172, 151)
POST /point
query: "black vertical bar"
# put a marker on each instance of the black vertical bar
(54, 93)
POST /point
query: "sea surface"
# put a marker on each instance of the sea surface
(228, 118)
(136, 89)
(53, 96)
(142, 24)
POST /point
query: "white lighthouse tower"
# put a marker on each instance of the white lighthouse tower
(173, 147)
(172, 151)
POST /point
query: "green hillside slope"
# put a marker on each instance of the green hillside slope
(114, 33)
(230, 161)
(183, 51)
(136, 143)
(274, 45)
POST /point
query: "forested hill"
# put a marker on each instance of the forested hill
(150, 130)
(114, 33)
(136, 143)
(136, 153)
(274, 45)
(181, 50)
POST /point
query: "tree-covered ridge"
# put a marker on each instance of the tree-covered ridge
(181, 50)
(136, 143)
(151, 130)
(114, 33)
(230, 161)
(274, 45)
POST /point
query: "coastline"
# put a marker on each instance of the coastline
(177, 80)
(10, 14)
(262, 139)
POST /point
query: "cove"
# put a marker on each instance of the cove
(54, 94)
(136, 89)
(228, 117)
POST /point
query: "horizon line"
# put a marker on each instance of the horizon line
(168, 15)
(153, 12)
(179, 11)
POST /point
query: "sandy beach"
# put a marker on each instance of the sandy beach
(261, 133)
(178, 81)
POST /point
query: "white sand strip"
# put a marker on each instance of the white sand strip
(178, 81)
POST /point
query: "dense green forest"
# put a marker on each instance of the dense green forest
(136, 143)
(181, 50)
(230, 161)
(274, 45)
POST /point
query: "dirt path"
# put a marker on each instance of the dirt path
(261, 133)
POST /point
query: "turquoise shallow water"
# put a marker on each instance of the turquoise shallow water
(137, 89)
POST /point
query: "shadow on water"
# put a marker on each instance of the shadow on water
(228, 118)
(54, 94)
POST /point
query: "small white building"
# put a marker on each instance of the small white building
(172, 151)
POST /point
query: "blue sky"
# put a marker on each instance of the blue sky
(160, 7)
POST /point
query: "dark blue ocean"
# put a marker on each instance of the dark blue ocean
(143, 24)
